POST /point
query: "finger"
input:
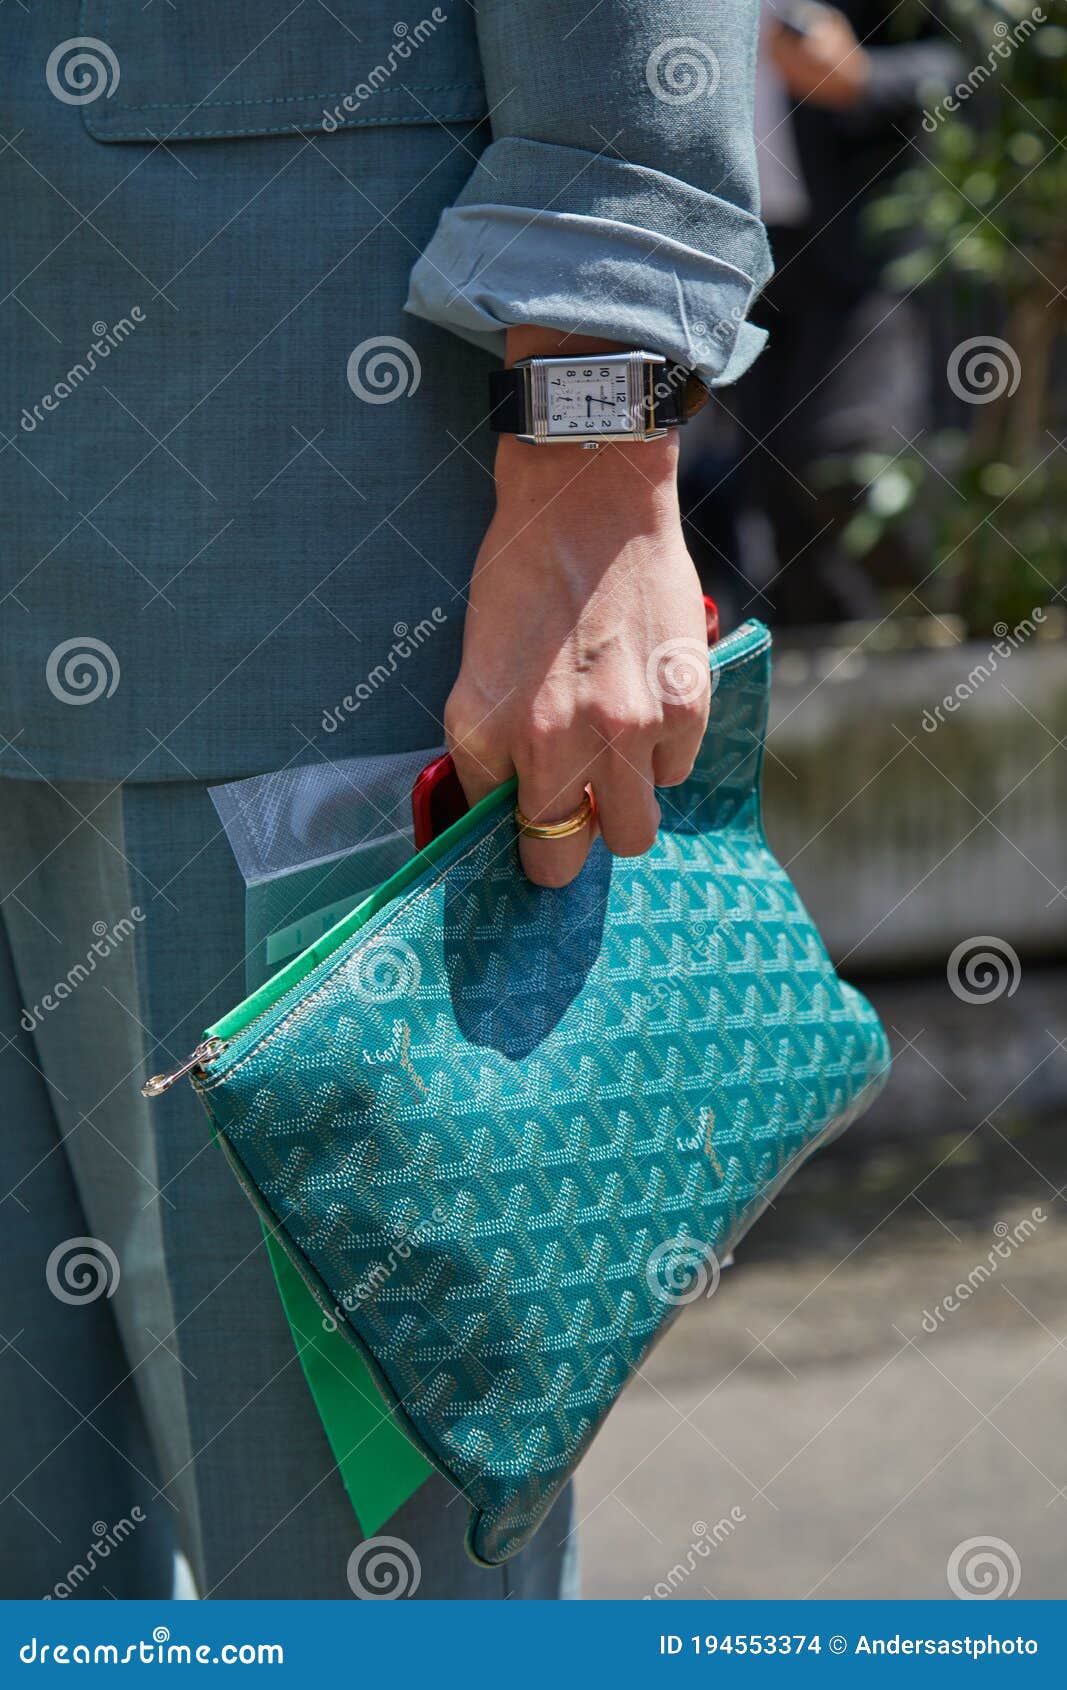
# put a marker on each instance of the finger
(627, 810)
(482, 759)
(547, 795)
(678, 749)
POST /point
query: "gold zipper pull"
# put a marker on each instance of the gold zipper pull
(205, 1052)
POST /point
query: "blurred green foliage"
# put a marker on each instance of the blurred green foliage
(986, 203)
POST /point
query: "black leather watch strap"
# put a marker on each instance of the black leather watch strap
(674, 395)
(507, 402)
(669, 388)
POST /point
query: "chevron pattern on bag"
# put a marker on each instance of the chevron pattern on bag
(516, 1130)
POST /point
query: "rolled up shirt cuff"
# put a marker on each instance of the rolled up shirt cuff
(591, 245)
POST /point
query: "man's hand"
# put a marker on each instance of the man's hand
(826, 65)
(584, 651)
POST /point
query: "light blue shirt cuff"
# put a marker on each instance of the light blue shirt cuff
(500, 260)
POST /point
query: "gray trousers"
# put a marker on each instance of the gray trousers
(151, 1398)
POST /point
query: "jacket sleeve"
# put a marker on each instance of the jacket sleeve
(618, 197)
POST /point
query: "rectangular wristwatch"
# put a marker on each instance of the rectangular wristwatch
(593, 400)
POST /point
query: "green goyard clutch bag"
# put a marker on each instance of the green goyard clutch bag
(505, 1133)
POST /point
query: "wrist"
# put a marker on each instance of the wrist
(636, 469)
(634, 476)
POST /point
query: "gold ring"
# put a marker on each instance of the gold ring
(581, 818)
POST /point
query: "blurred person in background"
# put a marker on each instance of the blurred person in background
(839, 97)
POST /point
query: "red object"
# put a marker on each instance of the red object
(437, 799)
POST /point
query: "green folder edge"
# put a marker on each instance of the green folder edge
(380, 1468)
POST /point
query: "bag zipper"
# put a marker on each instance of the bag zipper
(214, 1045)
(204, 1052)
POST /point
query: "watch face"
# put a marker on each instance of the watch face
(588, 398)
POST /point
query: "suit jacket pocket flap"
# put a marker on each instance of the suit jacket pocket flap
(267, 67)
